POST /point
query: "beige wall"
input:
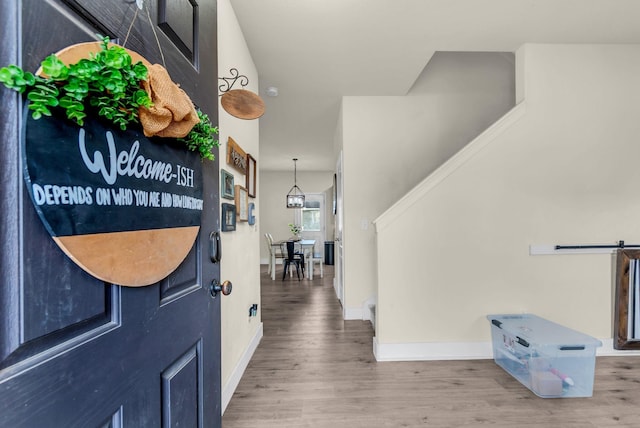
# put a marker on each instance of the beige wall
(274, 186)
(241, 257)
(391, 143)
(565, 173)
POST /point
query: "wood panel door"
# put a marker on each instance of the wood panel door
(75, 351)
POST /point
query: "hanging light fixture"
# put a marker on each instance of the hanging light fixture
(295, 197)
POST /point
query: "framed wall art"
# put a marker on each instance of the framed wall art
(236, 157)
(226, 185)
(251, 176)
(252, 217)
(228, 220)
(242, 203)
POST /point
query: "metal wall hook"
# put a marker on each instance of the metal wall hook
(139, 3)
(228, 82)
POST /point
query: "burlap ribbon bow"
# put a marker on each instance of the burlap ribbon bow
(172, 114)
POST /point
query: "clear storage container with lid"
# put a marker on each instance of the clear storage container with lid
(551, 360)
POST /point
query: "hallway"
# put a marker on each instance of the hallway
(314, 370)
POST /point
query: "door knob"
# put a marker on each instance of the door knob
(215, 287)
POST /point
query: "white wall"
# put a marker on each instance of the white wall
(330, 218)
(391, 143)
(241, 255)
(565, 173)
(274, 186)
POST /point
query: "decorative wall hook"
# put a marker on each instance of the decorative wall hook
(240, 103)
(228, 82)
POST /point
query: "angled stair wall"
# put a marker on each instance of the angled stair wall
(560, 167)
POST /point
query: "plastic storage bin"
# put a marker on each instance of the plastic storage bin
(551, 360)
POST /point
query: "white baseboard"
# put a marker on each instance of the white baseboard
(365, 312)
(459, 351)
(354, 314)
(607, 350)
(238, 371)
(431, 351)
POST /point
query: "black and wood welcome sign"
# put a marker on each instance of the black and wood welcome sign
(124, 207)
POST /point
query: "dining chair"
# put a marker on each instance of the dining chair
(300, 252)
(276, 248)
(291, 258)
(275, 255)
(313, 258)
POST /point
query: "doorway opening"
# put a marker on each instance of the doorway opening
(312, 219)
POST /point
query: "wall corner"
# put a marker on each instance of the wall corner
(520, 73)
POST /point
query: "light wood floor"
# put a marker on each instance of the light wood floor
(312, 369)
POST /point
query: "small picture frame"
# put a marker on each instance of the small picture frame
(226, 185)
(228, 220)
(242, 203)
(252, 217)
(236, 157)
(251, 176)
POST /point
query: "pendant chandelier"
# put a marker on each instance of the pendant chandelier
(295, 197)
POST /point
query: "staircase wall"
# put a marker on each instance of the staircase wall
(390, 144)
(562, 167)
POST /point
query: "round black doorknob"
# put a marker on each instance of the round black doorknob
(215, 287)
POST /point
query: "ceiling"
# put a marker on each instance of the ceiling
(316, 51)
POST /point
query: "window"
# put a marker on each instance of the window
(311, 221)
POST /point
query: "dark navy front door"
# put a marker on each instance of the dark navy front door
(75, 351)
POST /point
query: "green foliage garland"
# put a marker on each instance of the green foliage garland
(108, 81)
(200, 139)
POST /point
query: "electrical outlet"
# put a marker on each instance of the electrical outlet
(253, 310)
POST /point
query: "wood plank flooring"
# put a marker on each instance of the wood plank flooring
(312, 369)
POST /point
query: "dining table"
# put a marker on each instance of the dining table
(306, 247)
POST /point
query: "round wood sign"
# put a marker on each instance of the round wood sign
(124, 207)
(242, 104)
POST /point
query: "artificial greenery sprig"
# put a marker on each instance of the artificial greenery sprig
(201, 138)
(108, 81)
